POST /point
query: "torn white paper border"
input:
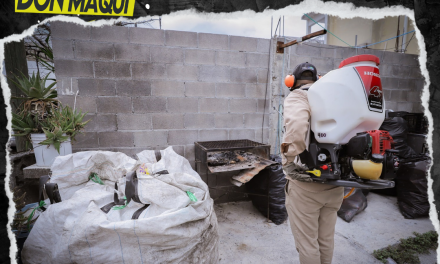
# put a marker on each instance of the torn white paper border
(343, 10)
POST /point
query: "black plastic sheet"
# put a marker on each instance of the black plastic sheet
(412, 194)
(353, 204)
(269, 184)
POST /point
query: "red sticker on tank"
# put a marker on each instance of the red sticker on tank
(370, 79)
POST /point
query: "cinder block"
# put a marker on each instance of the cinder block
(243, 105)
(414, 96)
(110, 34)
(337, 62)
(386, 70)
(199, 89)
(262, 75)
(230, 90)
(242, 134)
(213, 73)
(150, 138)
(104, 69)
(213, 41)
(404, 106)
(86, 140)
(114, 104)
(399, 95)
(243, 75)
(67, 86)
(71, 68)
(96, 87)
(91, 126)
(305, 49)
(133, 88)
(168, 88)
(390, 83)
(256, 90)
(228, 120)
(230, 58)
(148, 71)
(66, 30)
(166, 55)
(348, 52)
(402, 71)
(256, 60)
(387, 95)
(327, 52)
(213, 134)
(149, 104)
(409, 84)
(419, 84)
(197, 56)
(105, 122)
(418, 108)
(180, 150)
(134, 122)
(90, 50)
(410, 60)
(262, 135)
(391, 105)
(263, 45)
(213, 105)
(182, 72)
(62, 48)
(83, 103)
(180, 38)
(131, 52)
(182, 137)
(261, 104)
(243, 43)
(392, 58)
(255, 120)
(415, 72)
(199, 121)
(167, 121)
(147, 36)
(323, 65)
(338, 53)
(183, 105)
(116, 139)
(189, 152)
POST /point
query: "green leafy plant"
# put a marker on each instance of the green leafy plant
(408, 249)
(38, 99)
(62, 123)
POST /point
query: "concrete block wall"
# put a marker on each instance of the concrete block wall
(149, 88)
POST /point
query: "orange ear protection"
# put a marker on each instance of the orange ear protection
(289, 81)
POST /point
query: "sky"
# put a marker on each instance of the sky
(248, 24)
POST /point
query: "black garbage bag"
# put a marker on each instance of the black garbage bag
(269, 184)
(398, 129)
(353, 204)
(412, 193)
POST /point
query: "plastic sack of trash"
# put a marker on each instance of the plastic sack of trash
(125, 216)
(398, 129)
(269, 184)
(352, 204)
(412, 193)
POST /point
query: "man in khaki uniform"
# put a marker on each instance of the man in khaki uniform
(312, 207)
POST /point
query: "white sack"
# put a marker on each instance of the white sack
(173, 229)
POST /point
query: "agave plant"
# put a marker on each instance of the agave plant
(38, 99)
(62, 124)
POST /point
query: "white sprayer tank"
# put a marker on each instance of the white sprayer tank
(347, 101)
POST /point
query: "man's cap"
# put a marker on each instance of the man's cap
(300, 68)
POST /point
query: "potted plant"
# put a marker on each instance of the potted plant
(51, 136)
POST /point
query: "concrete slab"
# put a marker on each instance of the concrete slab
(35, 172)
(247, 237)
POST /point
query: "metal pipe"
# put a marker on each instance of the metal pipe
(405, 29)
(271, 26)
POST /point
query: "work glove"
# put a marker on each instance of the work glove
(297, 172)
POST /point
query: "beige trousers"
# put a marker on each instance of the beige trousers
(312, 210)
